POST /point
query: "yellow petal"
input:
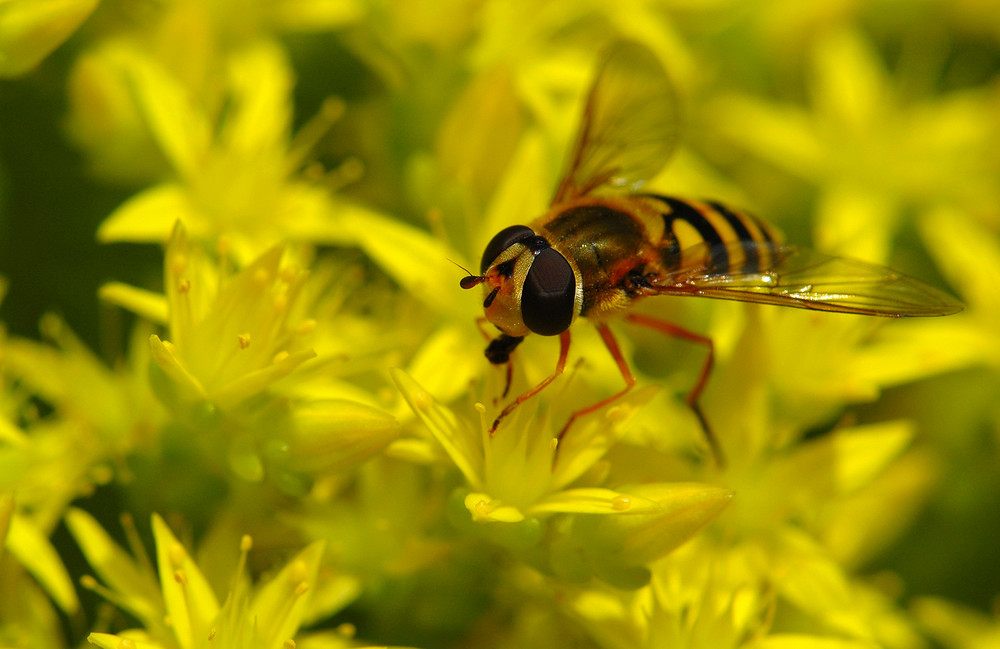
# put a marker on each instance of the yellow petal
(190, 387)
(808, 576)
(592, 436)
(118, 570)
(109, 641)
(260, 80)
(149, 216)
(454, 435)
(487, 510)
(316, 15)
(680, 511)
(414, 258)
(594, 501)
(254, 383)
(845, 460)
(32, 549)
(190, 602)
(278, 608)
(335, 435)
(797, 641)
(183, 133)
(146, 304)
(448, 381)
(6, 515)
(30, 29)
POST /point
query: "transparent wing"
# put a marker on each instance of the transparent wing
(806, 279)
(629, 126)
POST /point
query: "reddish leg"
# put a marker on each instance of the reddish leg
(671, 329)
(560, 366)
(480, 323)
(616, 353)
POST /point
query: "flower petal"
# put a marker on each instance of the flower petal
(31, 29)
(190, 387)
(454, 435)
(149, 216)
(115, 567)
(279, 607)
(190, 602)
(681, 509)
(181, 130)
(487, 510)
(146, 304)
(593, 501)
(34, 551)
(335, 434)
(110, 641)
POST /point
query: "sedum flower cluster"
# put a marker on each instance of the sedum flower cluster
(243, 400)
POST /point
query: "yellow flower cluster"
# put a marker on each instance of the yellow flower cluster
(298, 185)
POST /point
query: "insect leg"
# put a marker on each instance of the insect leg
(480, 324)
(616, 353)
(671, 329)
(560, 366)
(497, 359)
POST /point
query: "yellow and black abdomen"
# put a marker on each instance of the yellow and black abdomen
(719, 239)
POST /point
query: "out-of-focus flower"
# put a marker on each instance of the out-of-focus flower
(870, 151)
(955, 626)
(34, 576)
(235, 170)
(31, 29)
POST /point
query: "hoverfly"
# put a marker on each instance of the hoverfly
(602, 245)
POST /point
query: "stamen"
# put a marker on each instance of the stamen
(304, 142)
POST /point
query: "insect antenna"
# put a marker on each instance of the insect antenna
(472, 280)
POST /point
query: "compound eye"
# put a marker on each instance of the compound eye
(503, 240)
(548, 298)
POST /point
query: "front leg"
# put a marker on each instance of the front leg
(498, 352)
(560, 366)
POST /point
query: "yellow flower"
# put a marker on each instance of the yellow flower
(235, 171)
(870, 151)
(34, 577)
(178, 607)
(554, 509)
(31, 29)
(957, 627)
(232, 339)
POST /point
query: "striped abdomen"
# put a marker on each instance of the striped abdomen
(712, 236)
